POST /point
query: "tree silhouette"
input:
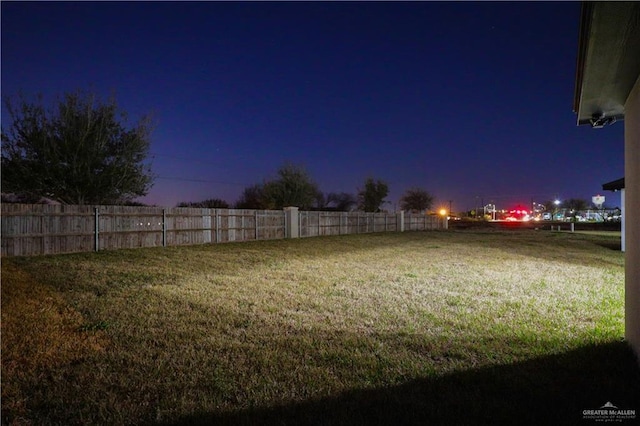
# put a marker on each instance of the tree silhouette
(212, 203)
(252, 198)
(342, 201)
(416, 199)
(292, 187)
(371, 198)
(77, 152)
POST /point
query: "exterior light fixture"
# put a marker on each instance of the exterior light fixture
(599, 120)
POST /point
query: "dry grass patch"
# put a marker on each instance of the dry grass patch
(155, 335)
(40, 333)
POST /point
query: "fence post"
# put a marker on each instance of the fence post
(256, 225)
(292, 222)
(43, 239)
(97, 240)
(284, 216)
(164, 227)
(217, 226)
(401, 217)
(212, 213)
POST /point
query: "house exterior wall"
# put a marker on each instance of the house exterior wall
(622, 222)
(632, 222)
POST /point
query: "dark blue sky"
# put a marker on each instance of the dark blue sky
(470, 101)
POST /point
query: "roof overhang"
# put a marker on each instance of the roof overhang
(608, 60)
(614, 185)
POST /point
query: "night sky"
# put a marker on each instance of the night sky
(470, 101)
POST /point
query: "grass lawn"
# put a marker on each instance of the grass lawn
(458, 327)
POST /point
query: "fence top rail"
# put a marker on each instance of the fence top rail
(48, 214)
(15, 207)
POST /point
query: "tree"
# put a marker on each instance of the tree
(77, 152)
(320, 202)
(212, 203)
(342, 201)
(416, 199)
(551, 207)
(371, 198)
(292, 187)
(252, 198)
(334, 201)
(575, 204)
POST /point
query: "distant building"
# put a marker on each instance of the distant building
(618, 185)
(607, 89)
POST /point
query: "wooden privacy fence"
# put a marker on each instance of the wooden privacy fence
(31, 229)
(34, 229)
(313, 224)
(423, 222)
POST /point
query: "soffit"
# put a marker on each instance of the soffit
(608, 59)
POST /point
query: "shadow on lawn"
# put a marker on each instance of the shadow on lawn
(611, 245)
(548, 390)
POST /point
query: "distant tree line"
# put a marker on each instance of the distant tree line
(293, 186)
(212, 203)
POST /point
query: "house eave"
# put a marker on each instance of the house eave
(608, 60)
(615, 185)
